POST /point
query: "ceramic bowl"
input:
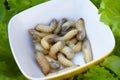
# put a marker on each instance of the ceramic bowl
(100, 36)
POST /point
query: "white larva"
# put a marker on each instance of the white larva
(47, 29)
(54, 64)
(81, 27)
(87, 51)
(68, 52)
(56, 48)
(64, 61)
(42, 61)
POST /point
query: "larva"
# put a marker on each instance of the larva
(81, 27)
(74, 40)
(87, 51)
(40, 34)
(53, 63)
(42, 61)
(67, 25)
(69, 35)
(59, 27)
(63, 70)
(38, 47)
(55, 48)
(45, 41)
(68, 52)
(47, 29)
(75, 47)
(35, 38)
(64, 61)
(70, 44)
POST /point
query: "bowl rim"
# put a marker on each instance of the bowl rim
(86, 66)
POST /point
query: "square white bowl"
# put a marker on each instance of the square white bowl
(100, 36)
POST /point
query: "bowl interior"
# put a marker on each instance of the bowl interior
(100, 35)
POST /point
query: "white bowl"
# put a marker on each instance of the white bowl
(100, 35)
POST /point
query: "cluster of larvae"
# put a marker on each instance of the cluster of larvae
(56, 44)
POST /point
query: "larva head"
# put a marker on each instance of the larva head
(53, 22)
(69, 43)
(81, 35)
(67, 25)
(37, 53)
(80, 21)
(55, 64)
(31, 31)
(65, 28)
(64, 20)
(36, 38)
(52, 38)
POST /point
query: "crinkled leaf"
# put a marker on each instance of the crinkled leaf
(4, 43)
(16, 6)
(112, 63)
(96, 3)
(2, 10)
(13, 4)
(4, 77)
(97, 73)
(116, 50)
(110, 14)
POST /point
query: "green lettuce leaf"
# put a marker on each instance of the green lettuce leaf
(110, 14)
(96, 3)
(13, 7)
(116, 50)
(96, 73)
(2, 10)
(113, 64)
(3, 77)
(8, 66)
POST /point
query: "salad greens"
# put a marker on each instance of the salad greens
(112, 63)
(100, 73)
(110, 14)
(96, 3)
(109, 69)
